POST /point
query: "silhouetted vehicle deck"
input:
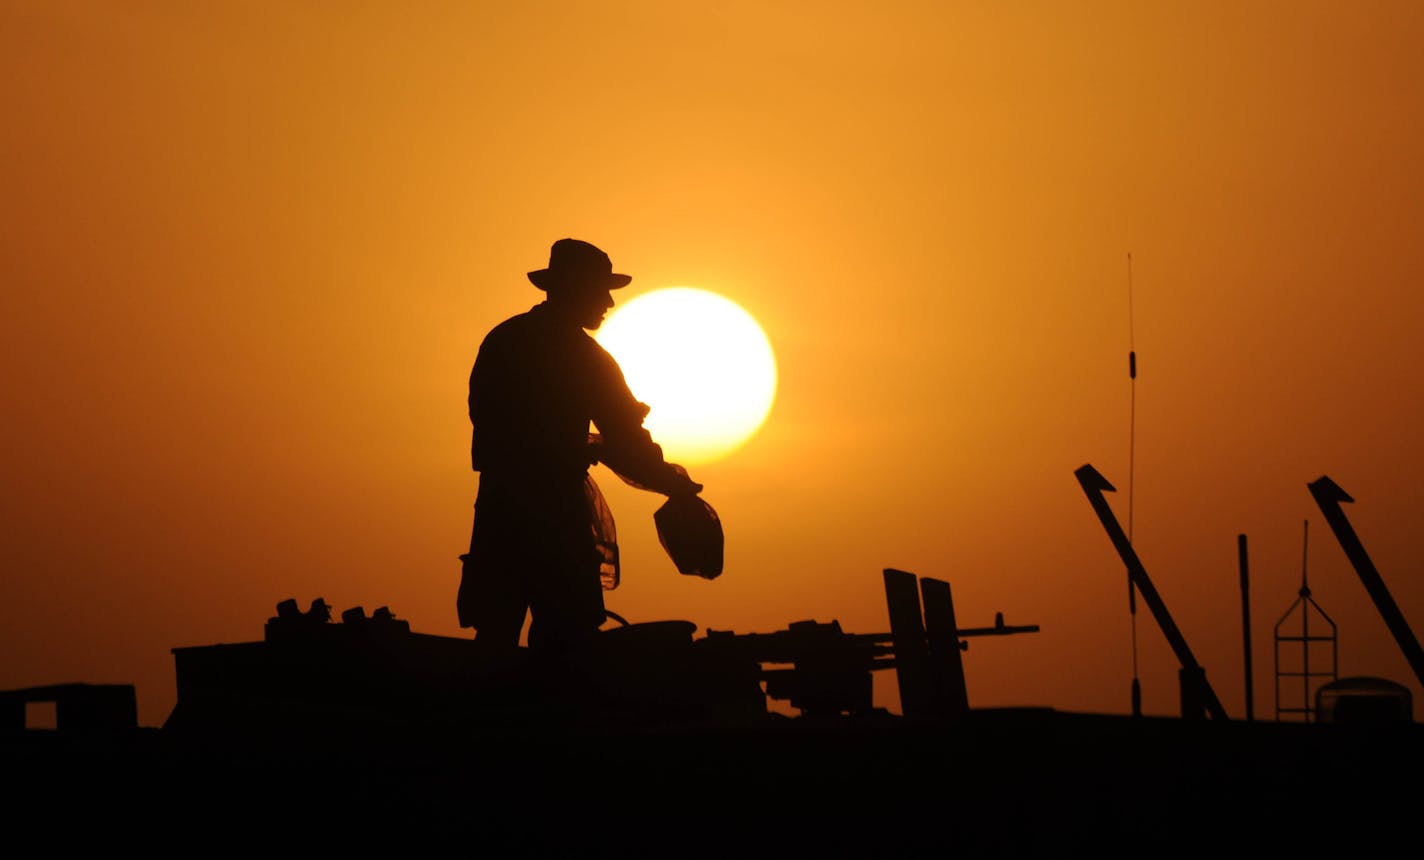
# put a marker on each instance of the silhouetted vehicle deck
(1017, 781)
(660, 742)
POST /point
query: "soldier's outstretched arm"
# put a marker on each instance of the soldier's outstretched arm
(625, 445)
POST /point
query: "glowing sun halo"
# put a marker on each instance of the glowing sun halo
(702, 364)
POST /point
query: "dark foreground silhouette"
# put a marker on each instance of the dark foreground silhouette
(650, 740)
(659, 741)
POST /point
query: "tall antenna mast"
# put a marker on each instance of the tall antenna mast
(1131, 470)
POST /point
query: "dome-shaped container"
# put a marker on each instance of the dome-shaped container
(1363, 701)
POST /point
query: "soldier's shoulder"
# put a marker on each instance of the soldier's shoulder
(521, 327)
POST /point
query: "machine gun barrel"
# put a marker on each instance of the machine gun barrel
(809, 639)
(999, 629)
(801, 641)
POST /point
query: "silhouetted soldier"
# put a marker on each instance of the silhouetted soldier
(537, 383)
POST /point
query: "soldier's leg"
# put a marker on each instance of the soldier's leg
(566, 606)
(493, 596)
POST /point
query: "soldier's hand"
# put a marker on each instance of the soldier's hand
(685, 486)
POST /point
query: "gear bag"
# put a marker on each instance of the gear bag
(691, 534)
(605, 535)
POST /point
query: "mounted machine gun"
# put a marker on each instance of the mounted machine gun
(823, 670)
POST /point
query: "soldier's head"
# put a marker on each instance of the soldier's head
(579, 280)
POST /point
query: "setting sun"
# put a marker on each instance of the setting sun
(701, 362)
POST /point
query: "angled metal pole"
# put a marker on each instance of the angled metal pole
(1094, 486)
(1329, 496)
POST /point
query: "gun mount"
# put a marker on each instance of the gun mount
(822, 670)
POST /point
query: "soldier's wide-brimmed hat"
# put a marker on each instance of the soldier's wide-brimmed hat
(573, 263)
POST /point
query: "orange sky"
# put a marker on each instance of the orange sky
(248, 251)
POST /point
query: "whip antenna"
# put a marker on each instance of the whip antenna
(1131, 470)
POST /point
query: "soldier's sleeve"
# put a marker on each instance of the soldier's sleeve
(626, 447)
